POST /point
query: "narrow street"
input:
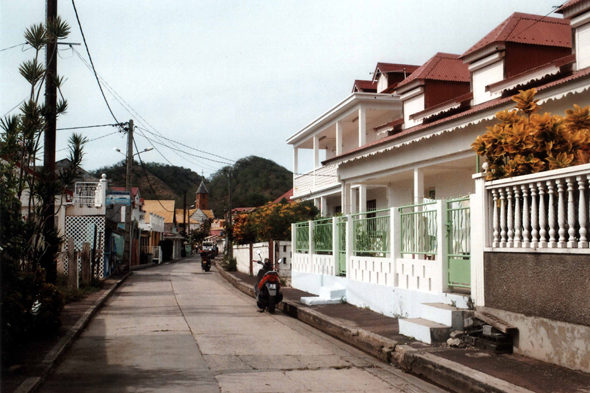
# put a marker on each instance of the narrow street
(174, 328)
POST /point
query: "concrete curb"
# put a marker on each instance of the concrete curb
(31, 384)
(421, 362)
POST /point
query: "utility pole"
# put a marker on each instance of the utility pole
(127, 250)
(49, 139)
(230, 251)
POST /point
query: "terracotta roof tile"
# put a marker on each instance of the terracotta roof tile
(528, 29)
(364, 86)
(442, 66)
(567, 5)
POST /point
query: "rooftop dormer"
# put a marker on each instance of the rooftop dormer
(520, 43)
(578, 13)
(388, 75)
(440, 79)
(361, 86)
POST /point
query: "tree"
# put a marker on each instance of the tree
(29, 303)
(525, 142)
(272, 221)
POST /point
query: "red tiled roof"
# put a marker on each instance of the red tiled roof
(391, 67)
(242, 209)
(567, 5)
(133, 190)
(362, 85)
(286, 195)
(528, 29)
(475, 109)
(442, 66)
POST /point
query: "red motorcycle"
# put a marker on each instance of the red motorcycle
(268, 287)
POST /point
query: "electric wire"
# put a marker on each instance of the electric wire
(16, 106)
(83, 127)
(148, 179)
(93, 139)
(14, 46)
(91, 62)
(555, 8)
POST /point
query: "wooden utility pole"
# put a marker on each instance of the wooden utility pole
(230, 251)
(127, 250)
(49, 262)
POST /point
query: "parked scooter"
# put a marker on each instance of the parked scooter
(268, 286)
(205, 260)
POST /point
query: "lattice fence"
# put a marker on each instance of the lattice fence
(82, 229)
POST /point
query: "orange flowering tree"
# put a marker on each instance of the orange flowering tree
(525, 142)
(271, 221)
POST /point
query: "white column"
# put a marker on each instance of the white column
(395, 242)
(345, 198)
(339, 142)
(362, 126)
(390, 201)
(362, 198)
(295, 161)
(354, 200)
(316, 151)
(418, 185)
(479, 237)
(324, 206)
(317, 202)
(349, 246)
(442, 247)
(583, 212)
(335, 246)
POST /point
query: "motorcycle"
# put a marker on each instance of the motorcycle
(205, 261)
(268, 287)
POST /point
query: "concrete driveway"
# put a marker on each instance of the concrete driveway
(174, 328)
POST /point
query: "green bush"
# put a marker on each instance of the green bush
(229, 264)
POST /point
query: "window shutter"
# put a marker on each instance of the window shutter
(583, 46)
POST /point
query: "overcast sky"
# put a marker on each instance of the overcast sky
(232, 78)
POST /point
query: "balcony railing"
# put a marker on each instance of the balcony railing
(87, 194)
(419, 229)
(542, 211)
(371, 233)
(322, 236)
(315, 179)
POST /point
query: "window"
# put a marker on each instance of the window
(371, 207)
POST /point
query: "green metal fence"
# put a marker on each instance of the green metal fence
(341, 236)
(322, 236)
(459, 243)
(419, 228)
(371, 233)
(302, 237)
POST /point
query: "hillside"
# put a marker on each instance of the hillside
(255, 181)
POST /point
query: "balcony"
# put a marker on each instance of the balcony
(315, 180)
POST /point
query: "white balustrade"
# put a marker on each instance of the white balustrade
(547, 210)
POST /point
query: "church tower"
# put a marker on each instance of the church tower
(202, 201)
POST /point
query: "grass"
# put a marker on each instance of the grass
(75, 295)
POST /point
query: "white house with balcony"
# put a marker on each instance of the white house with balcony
(422, 234)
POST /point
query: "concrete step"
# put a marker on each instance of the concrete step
(334, 292)
(445, 314)
(316, 300)
(424, 330)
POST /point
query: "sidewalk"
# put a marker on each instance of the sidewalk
(462, 370)
(36, 359)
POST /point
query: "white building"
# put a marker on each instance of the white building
(416, 234)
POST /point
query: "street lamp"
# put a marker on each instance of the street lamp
(139, 152)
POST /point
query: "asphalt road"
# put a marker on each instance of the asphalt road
(174, 328)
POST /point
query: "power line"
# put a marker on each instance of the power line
(91, 62)
(148, 179)
(94, 139)
(555, 7)
(14, 46)
(82, 127)
(16, 106)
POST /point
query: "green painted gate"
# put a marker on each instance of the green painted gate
(341, 256)
(459, 243)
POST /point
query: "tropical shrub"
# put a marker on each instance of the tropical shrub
(271, 221)
(524, 142)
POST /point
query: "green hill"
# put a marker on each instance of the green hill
(255, 181)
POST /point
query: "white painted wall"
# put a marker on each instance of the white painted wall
(411, 106)
(485, 76)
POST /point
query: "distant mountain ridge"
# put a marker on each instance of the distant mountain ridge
(255, 181)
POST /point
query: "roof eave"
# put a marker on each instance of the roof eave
(350, 101)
